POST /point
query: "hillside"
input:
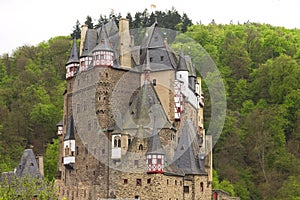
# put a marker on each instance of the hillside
(258, 151)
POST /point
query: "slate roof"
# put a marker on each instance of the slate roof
(103, 43)
(181, 66)
(90, 42)
(60, 123)
(28, 165)
(70, 134)
(154, 146)
(142, 108)
(185, 157)
(153, 45)
(73, 58)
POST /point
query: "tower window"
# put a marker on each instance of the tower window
(159, 161)
(161, 58)
(129, 142)
(175, 182)
(136, 163)
(201, 187)
(186, 189)
(148, 180)
(149, 161)
(119, 142)
(151, 59)
(125, 181)
(77, 151)
(138, 182)
(141, 147)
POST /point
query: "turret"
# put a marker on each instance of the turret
(89, 44)
(59, 127)
(155, 154)
(103, 53)
(69, 144)
(73, 63)
(182, 73)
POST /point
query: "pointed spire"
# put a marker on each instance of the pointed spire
(181, 66)
(103, 42)
(154, 142)
(70, 135)
(147, 69)
(73, 54)
(185, 156)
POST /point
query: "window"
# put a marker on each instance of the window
(201, 187)
(148, 180)
(86, 149)
(119, 142)
(136, 163)
(151, 59)
(129, 142)
(138, 182)
(125, 181)
(141, 147)
(161, 58)
(137, 197)
(149, 161)
(180, 183)
(175, 182)
(186, 189)
(115, 142)
(167, 181)
(106, 74)
(159, 161)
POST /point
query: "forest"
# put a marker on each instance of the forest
(258, 153)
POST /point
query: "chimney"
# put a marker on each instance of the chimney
(41, 165)
(125, 43)
(84, 29)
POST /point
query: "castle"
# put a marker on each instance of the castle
(133, 120)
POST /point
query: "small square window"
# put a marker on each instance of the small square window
(159, 161)
(125, 181)
(148, 180)
(186, 189)
(161, 58)
(136, 163)
(138, 182)
(149, 161)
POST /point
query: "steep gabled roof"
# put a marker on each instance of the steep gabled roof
(163, 58)
(28, 165)
(185, 157)
(154, 146)
(142, 108)
(181, 66)
(70, 135)
(90, 42)
(73, 58)
(103, 42)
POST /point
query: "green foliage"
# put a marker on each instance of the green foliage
(26, 188)
(50, 160)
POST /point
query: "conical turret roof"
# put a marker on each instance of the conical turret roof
(70, 135)
(181, 66)
(103, 42)
(73, 58)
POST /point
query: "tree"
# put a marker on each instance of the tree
(89, 22)
(26, 188)
(76, 32)
(50, 161)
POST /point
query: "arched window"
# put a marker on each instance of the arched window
(201, 187)
(115, 142)
(141, 147)
(119, 142)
